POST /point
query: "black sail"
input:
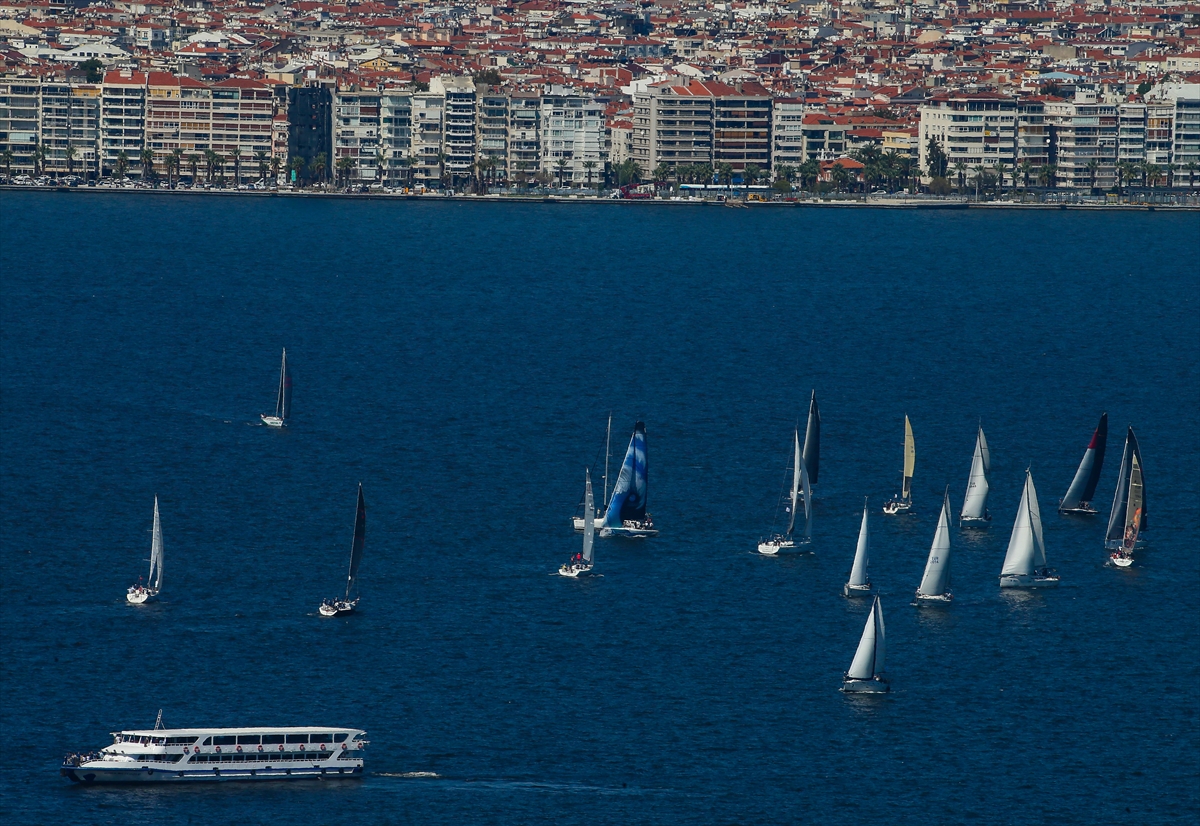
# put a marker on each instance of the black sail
(360, 540)
(1099, 442)
(1116, 518)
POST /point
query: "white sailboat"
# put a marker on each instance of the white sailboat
(788, 542)
(139, 594)
(581, 564)
(1078, 498)
(336, 607)
(1128, 519)
(1134, 516)
(903, 502)
(598, 521)
(974, 510)
(935, 583)
(866, 671)
(1025, 563)
(283, 400)
(859, 584)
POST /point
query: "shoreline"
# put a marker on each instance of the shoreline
(846, 203)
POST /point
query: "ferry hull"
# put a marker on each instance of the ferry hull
(89, 774)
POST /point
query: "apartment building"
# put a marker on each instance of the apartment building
(823, 137)
(572, 136)
(122, 121)
(741, 126)
(1033, 139)
(356, 134)
(524, 135)
(428, 109)
(310, 128)
(69, 127)
(395, 134)
(20, 119)
(492, 140)
(672, 124)
(973, 129)
(787, 126)
(1083, 141)
(1185, 146)
(458, 135)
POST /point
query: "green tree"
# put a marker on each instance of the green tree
(809, 172)
(960, 172)
(725, 174)
(589, 167)
(297, 165)
(149, 173)
(1093, 166)
(489, 77)
(260, 157)
(94, 69)
(752, 173)
(1026, 171)
(840, 177)
(560, 166)
(176, 157)
(236, 157)
(343, 168)
(938, 162)
(318, 166)
(661, 174)
(122, 164)
(7, 157)
(1191, 167)
(39, 159)
(70, 155)
(193, 163)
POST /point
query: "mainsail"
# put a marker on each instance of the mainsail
(154, 581)
(1083, 486)
(1114, 537)
(975, 501)
(360, 540)
(1026, 547)
(628, 500)
(283, 401)
(797, 472)
(858, 571)
(807, 491)
(589, 520)
(872, 648)
(936, 580)
(910, 460)
(812, 440)
(1134, 511)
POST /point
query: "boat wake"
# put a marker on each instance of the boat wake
(407, 774)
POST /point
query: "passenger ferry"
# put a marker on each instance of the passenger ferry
(181, 755)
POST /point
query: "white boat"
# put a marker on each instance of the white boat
(1078, 498)
(788, 542)
(338, 606)
(974, 512)
(1127, 520)
(598, 520)
(163, 755)
(140, 594)
(903, 502)
(866, 671)
(283, 400)
(859, 584)
(935, 583)
(581, 564)
(626, 515)
(1025, 563)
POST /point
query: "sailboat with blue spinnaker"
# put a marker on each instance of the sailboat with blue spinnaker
(627, 515)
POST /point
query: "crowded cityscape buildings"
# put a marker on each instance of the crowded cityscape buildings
(595, 93)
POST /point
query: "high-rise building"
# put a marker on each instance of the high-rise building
(973, 129)
(1083, 141)
(572, 136)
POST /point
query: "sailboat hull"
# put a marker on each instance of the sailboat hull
(1028, 581)
(878, 685)
(337, 608)
(626, 531)
(139, 596)
(1121, 561)
(975, 521)
(935, 599)
(776, 547)
(849, 590)
(1084, 508)
(271, 421)
(575, 571)
(577, 523)
(897, 506)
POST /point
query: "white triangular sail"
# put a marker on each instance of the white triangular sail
(975, 502)
(936, 580)
(796, 482)
(910, 459)
(807, 491)
(1022, 556)
(858, 571)
(154, 581)
(869, 658)
(589, 520)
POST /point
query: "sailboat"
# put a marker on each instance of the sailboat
(903, 502)
(1025, 563)
(974, 511)
(336, 607)
(935, 584)
(788, 541)
(283, 400)
(626, 514)
(1078, 498)
(812, 441)
(866, 670)
(582, 562)
(577, 520)
(859, 584)
(1127, 520)
(139, 594)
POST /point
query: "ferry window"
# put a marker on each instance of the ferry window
(339, 738)
(181, 741)
(321, 738)
(225, 740)
(248, 739)
(297, 738)
(207, 742)
(269, 739)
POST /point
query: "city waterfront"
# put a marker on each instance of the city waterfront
(461, 364)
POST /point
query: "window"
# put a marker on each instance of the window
(321, 738)
(297, 738)
(339, 738)
(272, 739)
(248, 739)
(225, 740)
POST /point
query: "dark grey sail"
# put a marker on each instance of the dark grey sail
(1078, 497)
(1114, 536)
(360, 540)
(283, 401)
(812, 441)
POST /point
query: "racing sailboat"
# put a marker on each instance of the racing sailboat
(582, 562)
(866, 670)
(935, 583)
(283, 399)
(811, 455)
(1127, 520)
(1025, 563)
(336, 607)
(788, 541)
(626, 515)
(903, 502)
(974, 511)
(577, 519)
(859, 584)
(139, 594)
(1078, 498)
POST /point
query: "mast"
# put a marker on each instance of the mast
(975, 500)
(360, 540)
(607, 453)
(283, 400)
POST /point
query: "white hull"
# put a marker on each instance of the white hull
(1121, 561)
(630, 530)
(577, 523)
(139, 596)
(1084, 508)
(1028, 581)
(894, 507)
(337, 608)
(875, 686)
(575, 571)
(849, 590)
(777, 547)
(271, 421)
(974, 521)
(937, 599)
(101, 771)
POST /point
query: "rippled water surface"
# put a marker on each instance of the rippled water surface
(460, 360)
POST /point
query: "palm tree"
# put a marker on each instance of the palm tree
(725, 174)
(146, 156)
(70, 159)
(1093, 166)
(39, 159)
(960, 170)
(661, 173)
(296, 164)
(1000, 170)
(122, 164)
(317, 167)
(7, 157)
(810, 171)
(342, 169)
(980, 171)
(1191, 168)
(441, 162)
(176, 158)
(261, 157)
(1026, 170)
(560, 166)
(839, 176)
(1153, 174)
(588, 168)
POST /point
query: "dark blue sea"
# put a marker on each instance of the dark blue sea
(461, 360)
